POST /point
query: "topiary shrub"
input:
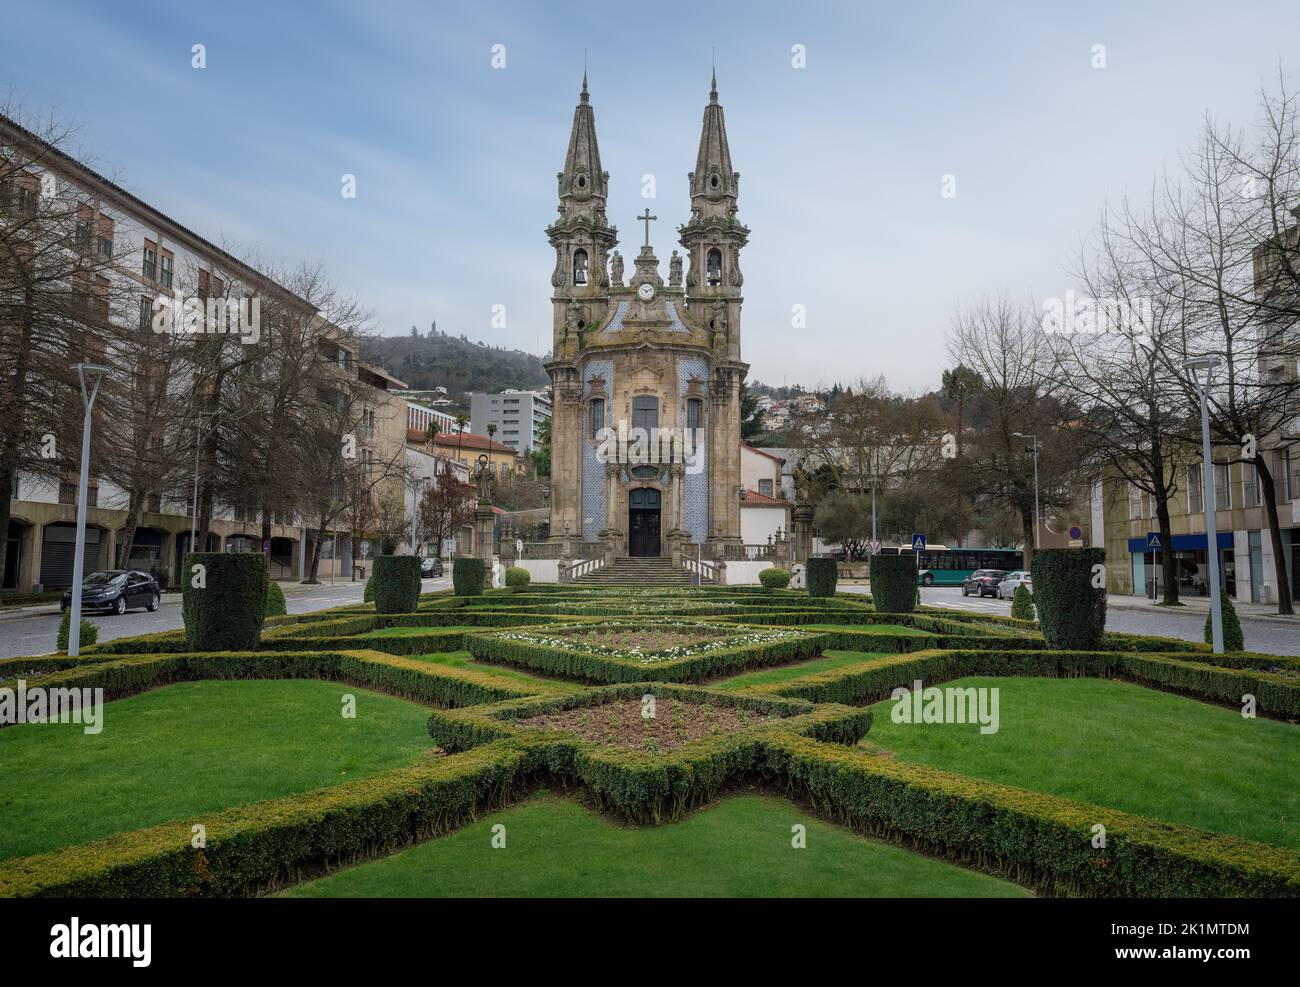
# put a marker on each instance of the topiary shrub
(822, 575)
(468, 577)
(224, 602)
(1233, 637)
(893, 583)
(275, 605)
(1071, 610)
(89, 632)
(774, 578)
(397, 583)
(368, 594)
(1022, 604)
(517, 577)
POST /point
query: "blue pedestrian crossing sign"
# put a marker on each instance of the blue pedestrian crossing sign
(918, 542)
(1153, 542)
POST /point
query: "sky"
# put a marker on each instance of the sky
(842, 158)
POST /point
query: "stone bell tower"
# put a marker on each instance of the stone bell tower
(582, 239)
(713, 239)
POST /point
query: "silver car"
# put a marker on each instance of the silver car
(1007, 588)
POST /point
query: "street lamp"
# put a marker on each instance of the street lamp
(1037, 518)
(417, 484)
(96, 373)
(1194, 368)
(198, 444)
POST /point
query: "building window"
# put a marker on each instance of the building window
(694, 413)
(150, 266)
(1195, 490)
(765, 487)
(105, 241)
(146, 313)
(580, 267)
(1222, 488)
(645, 412)
(1289, 482)
(597, 417)
(713, 266)
(166, 264)
(1134, 503)
(1249, 485)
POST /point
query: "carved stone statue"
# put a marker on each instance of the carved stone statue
(718, 323)
(675, 270)
(485, 482)
(616, 268)
(802, 484)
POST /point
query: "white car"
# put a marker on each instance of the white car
(1007, 588)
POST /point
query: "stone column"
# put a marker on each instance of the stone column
(483, 521)
(803, 525)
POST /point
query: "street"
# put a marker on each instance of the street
(1269, 635)
(36, 634)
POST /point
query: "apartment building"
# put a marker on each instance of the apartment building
(150, 254)
(519, 417)
(420, 416)
(1133, 545)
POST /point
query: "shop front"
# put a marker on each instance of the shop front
(1191, 560)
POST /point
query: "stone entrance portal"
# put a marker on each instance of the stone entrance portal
(643, 523)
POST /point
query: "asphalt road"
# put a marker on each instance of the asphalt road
(1262, 634)
(37, 634)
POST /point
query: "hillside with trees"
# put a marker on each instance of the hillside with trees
(436, 359)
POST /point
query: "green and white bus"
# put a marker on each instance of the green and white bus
(940, 565)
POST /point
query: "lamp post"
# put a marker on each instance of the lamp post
(1037, 516)
(416, 484)
(1194, 367)
(96, 373)
(198, 444)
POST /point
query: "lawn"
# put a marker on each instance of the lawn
(740, 847)
(768, 676)
(190, 748)
(1120, 745)
(463, 659)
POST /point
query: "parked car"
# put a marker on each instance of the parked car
(431, 568)
(1007, 588)
(982, 582)
(117, 591)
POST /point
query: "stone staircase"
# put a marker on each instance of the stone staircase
(628, 571)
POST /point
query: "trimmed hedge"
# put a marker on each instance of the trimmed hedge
(226, 612)
(822, 576)
(893, 583)
(1033, 838)
(1071, 610)
(517, 577)
(368, 593)
(397, 583)
(1233, 638)
(468, 577)
(1022, 604)
(774, 578)
(89, 632)
(275, 605)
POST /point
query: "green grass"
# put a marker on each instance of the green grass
(190, 748)
(738, 848)
(769, 676)
(411, 631)
(1123, 746)
(463, 659)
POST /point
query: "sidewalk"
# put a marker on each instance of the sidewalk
(52, 607)
(1197, 605)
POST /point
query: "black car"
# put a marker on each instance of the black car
(431, 568)
(117, 591)
(983, 582)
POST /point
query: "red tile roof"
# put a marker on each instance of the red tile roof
(461, 440)
(755, 499)
(761, 452)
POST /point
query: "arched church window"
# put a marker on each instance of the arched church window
(694, 413)
(713, 266)
(579, 267)
(645, 412)
(597, 411)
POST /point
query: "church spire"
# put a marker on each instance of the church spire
(583, 176)
(713, 178)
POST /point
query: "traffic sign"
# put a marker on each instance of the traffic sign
(365, 549)
(1153, 542)
(918, 542)
(1076, 532)
(874, 546)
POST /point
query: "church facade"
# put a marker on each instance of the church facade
(646, 371)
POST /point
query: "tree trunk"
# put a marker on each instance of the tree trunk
(961, 492)
(1027, 529)
(9, 451)
(315, 552)
(1266, 489)
(128, 529)
(1168, 564)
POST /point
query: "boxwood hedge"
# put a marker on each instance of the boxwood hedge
(893, 583)
(397, 583)
(822, 575)
(468, 577)
(1071, 609)
(223, 600)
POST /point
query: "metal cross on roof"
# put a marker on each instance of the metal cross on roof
(646, 218)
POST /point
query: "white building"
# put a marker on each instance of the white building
(519, 417)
